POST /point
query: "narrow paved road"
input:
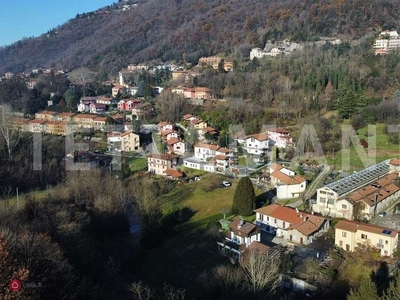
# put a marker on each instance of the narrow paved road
(315, 184)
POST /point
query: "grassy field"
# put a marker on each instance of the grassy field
(137, 163)
(184, 256)
(12, 201)
(383, 150)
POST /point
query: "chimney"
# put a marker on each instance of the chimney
(301, 215)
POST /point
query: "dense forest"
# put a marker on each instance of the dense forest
(109, 39)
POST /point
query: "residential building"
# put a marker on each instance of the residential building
(350, 235)
(287, 183)
(279, 137)
(198, 123)
(173, 174)
(164, 126)
(20, 124)
(37, 126)
(56, 127)
(210, 60)
(205, 151)
(115, 90)
(84, 120)
(360, 195)
(159, 163)
(84, 104)
(241, 235)
(386, 42)
(99, 123)
(257, 144)
(130, 141)
(9, 75)
(46, 115)
(170, 134)
(201, 133)
(96, 108)
(176, 146)
(65, 116)
(291, 224)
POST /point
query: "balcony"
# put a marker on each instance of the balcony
(379, 246)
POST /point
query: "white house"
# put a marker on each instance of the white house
(257, 143)
(205, 151)
(240, 236)
(287, 183)
(279, 137)
(163, 126)
(176, 146)
(289, 223)
(160, 163)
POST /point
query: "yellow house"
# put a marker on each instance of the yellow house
(46, 115)
(198, 124)
(350, 235)
(56, 127)
(84, 120)
(129, 141)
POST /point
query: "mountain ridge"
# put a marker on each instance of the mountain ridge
(107, 40)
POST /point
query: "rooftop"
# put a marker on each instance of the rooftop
(353, 226)
(359, 179)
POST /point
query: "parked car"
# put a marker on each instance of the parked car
(225, 184)
(382, 214)
(197, 178)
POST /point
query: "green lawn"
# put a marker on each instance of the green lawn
(384, 149)
(12, 201)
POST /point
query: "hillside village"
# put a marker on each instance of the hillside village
(310, 218)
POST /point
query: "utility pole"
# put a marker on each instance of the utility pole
(17, 199)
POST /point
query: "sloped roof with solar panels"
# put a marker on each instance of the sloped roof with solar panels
(359, 179)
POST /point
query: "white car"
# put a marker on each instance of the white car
(226, 183)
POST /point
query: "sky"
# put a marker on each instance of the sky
(27, 18)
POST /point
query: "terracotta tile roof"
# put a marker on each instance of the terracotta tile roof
(243, 230)
(298, 220)
(162, 156)
(275, 167)
(20, 120)
(163, 123)
(47, 112)
(224, 150)
(196, 121)
(127, 133)
(173, 141)
(100, 119)
(66, 114)
(207, 146)
(288, 180)
(85, 116)
(353, 226)
(37, 121)
(209, 129)
(187, 116)
(395, 162)
(257, 246)
(166, 132)
(221, 157)
(173, 173)
(259, 137)
(279, 130)
(377, 190)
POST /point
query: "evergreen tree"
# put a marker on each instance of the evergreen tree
(366, 291)
(244, 198)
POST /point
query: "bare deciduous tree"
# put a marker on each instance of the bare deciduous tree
(260, 271)
(6, 128)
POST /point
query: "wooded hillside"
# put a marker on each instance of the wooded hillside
(110, 38)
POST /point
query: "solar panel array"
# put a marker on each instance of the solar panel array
(359, 179)
(387, 232)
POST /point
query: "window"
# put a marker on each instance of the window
(322, 199)
(341, 243)
(267, 218)
(364, 236)
(386, 242)
(284, 225)
(322, 192)
(386, 252)
(275, 221)
(344, 206)
(344, 233)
